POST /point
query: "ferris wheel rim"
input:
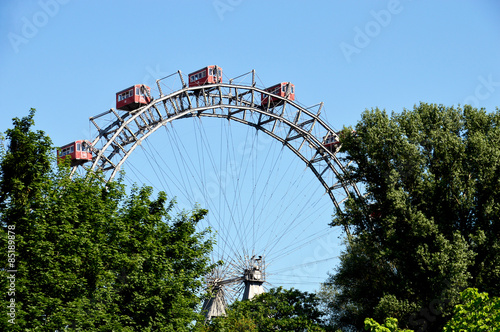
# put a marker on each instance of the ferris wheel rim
(334, 164)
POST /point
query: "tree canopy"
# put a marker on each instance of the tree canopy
(391, 325)
(429, 225)
(88, 255)
(476, 312)
(276, 310)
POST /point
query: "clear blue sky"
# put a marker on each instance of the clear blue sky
(67, 58)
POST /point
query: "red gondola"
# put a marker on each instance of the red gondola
(132, 98)
(78, 151)
(331, 142)
(284, 89)
(207, 75)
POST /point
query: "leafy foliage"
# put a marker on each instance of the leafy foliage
(477, 312)
(391, 325)
(89, 256)
(277, 310)
(428, 227)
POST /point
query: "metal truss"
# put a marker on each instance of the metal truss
(298, 128)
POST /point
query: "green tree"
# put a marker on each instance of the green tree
(391, 325)
(88, 255)
(277, 310)
(476, 312)
(428, 227)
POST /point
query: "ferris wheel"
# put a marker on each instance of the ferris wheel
(266, 167)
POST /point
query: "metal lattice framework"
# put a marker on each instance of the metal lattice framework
(298, 128)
